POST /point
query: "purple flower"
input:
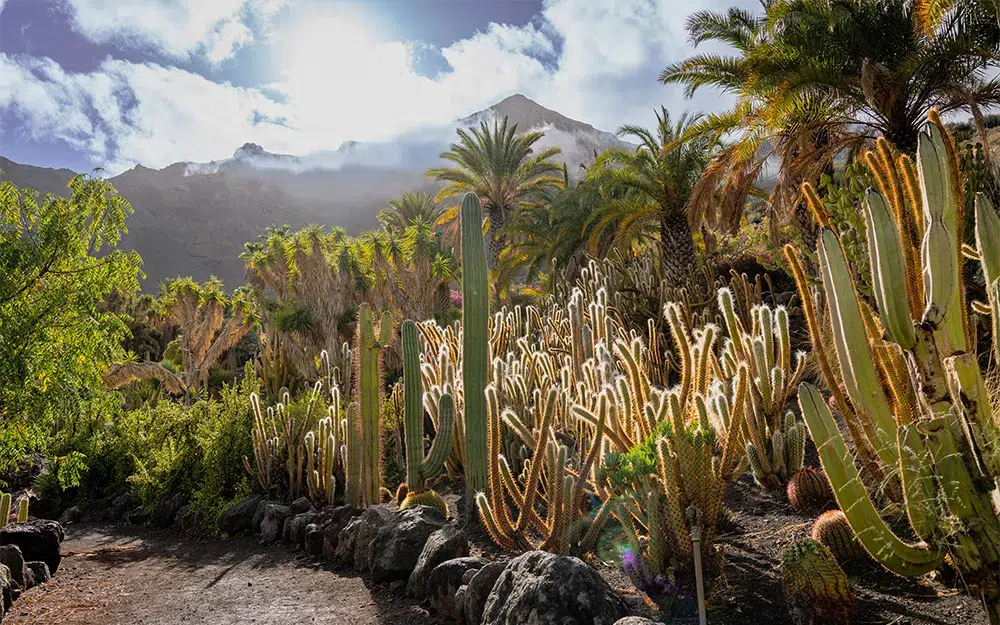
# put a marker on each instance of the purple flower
(456, 299)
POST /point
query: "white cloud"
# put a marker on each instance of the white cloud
(180, 28)
(593, 60)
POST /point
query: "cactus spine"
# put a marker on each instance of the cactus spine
(833, 530)
(368, 435)
(5, 501)
(22, 510)
(931, 421)
(418, 466)
(817, 589)
(475, 345)
(809, 490)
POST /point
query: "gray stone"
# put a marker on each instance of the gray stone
(122, 505)
(546, 589)
(13, 559)
(314, 539)
(444, 581)
(238, 518)
(468, 575)
(372, 519)
(399, 543)
(273, 522)
(38, 539)
(300, 505)
(138, 517)
(339, 517)
(40, 572)
(166, 509)
(6, 590)
(296, 528)
(188, 518)
(460, 604)
(71, 515)
(636, 620)
(478, 589)
(447, 543)
(97, 511)
(347, 539)
(258, 515)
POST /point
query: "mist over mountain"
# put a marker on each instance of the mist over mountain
(192, 219)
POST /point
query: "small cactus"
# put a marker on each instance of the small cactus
(833, 530)
(5, 500)
(22, 510)
(401, 492)
(816, 588)
(425, 497)
(809, 490)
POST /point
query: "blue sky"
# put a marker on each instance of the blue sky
(113, 83)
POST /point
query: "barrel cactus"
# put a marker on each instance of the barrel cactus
(809, 490)
(816, 588)
(833, 530)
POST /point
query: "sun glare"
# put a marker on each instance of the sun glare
(342, 44)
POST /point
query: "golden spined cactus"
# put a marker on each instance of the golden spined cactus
(266, 445)
(833, 530)
(5, 502)
(816, 588)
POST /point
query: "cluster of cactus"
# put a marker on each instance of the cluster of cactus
(808, 490)
(816, 588)
(364, 435)
(833, 530)
(915, 393)
(420, 467)
(5, 502)
(775, 445)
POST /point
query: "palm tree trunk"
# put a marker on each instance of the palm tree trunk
(494, 239)
(676, 247)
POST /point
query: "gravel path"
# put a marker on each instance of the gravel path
(123, 575)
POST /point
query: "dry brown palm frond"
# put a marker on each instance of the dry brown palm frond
(122, 374)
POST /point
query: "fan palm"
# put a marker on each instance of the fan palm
(818, 78)
(502, 168)
(408, 209)
(648, 190)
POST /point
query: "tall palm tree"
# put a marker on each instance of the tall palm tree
(500, 167)
(817, 78)
(408, 209)
(649, 191)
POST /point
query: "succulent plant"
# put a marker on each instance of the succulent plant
(833, 530)
(364, 441)
(809, 490)
(22, 510)
(918, 393)
(816, 588)
(5, 501)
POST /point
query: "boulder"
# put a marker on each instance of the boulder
(444, 582)
(371, 521)
(121, 506)
(38, 539)
(347, 539)
(460, 604)
(273, 522)
(13, 559)
(300, 505)
(295, 528)
(40, 571)
(6, 590)
(187, 518)
(399, 543)
(314, 539)
(258, 515)
(97, 511)
(636, 620)
(447, 543)
(138, 517)
(468, 575)
(546, 589)
(339, 517)
(71, 515)
(166, 509)
(238, 518)
(478, 590)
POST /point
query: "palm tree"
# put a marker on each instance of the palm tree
(817, 78)
(648, 190)
(408, 209)
(502, 169)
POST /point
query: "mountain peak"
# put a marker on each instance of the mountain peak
(248, 150)
(528, 114)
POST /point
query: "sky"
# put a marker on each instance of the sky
(115, 83)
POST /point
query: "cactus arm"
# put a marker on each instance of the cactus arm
(968, 393)
(853, 352)
(441, 447)
(988, 238)
(871, 530)
(919, 491)
(413, 406)
(475, 343)
(888, 271)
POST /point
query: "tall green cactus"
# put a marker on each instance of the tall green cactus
(369, 381)
(929, 420)
(5, 501)
(22, 510)
(419, 467)
(475, 346)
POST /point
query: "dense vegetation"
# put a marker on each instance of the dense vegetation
(596, 353)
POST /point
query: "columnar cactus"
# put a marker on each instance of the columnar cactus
(475, 344)
(419, 467)
(265, 445)
(364, 491)
(22, 510)
(816, 587)
(833, 530)
(919, 393)
(5, 501)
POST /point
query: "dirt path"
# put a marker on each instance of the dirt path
(122, 575)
